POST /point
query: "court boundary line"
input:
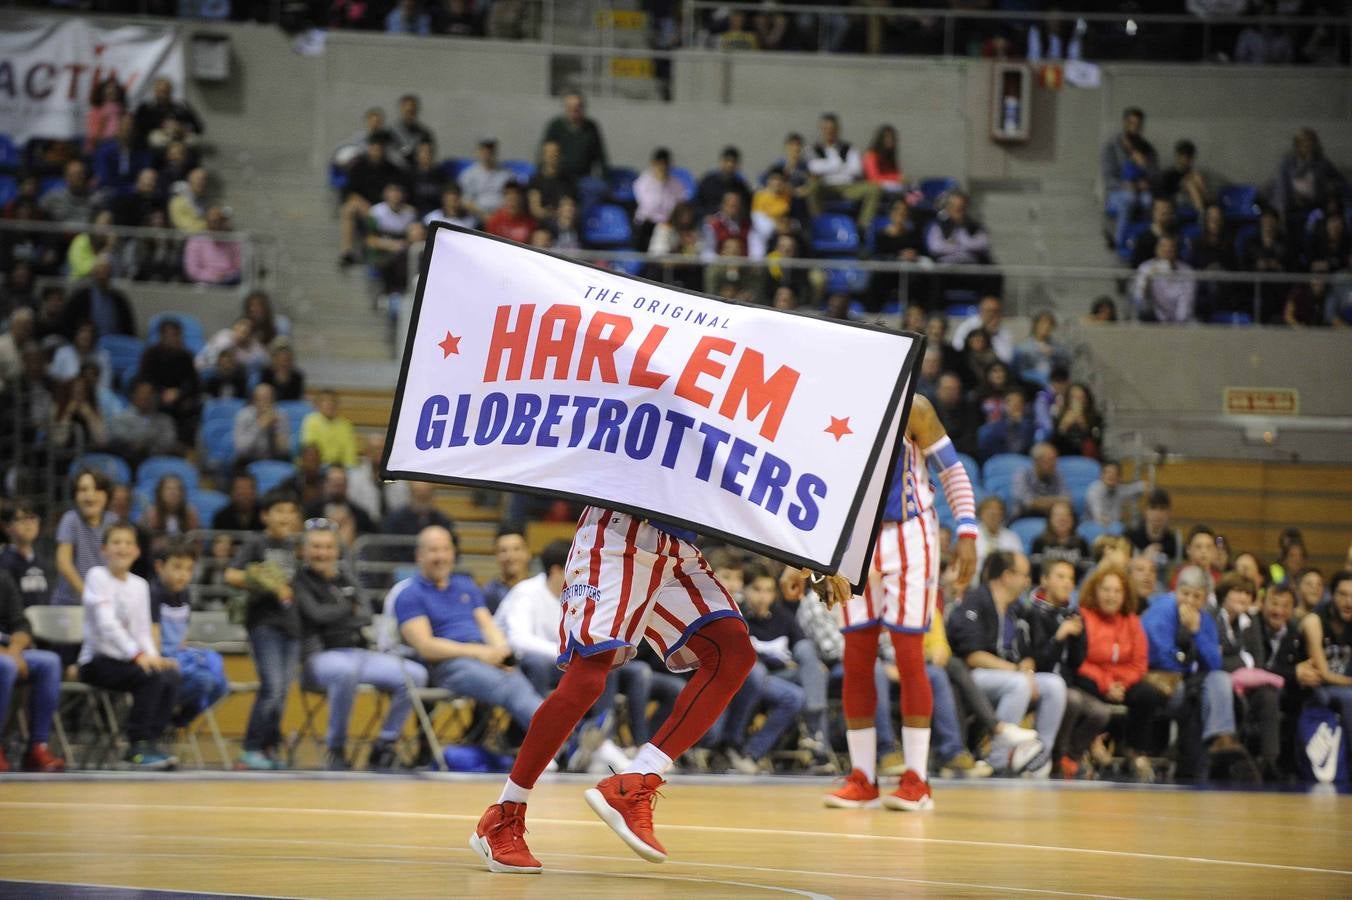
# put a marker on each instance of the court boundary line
(224, 839)
(439, 863)
(722, 829)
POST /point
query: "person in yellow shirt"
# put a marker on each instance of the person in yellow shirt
(330, 432)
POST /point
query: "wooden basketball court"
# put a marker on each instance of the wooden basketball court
(353, 836)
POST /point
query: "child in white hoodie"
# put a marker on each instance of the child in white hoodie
(120, 651)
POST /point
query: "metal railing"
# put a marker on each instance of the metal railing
(259, 253)
(1025, 288)
(825, 17)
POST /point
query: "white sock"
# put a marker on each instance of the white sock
(863, 744)
(915, 747)
(649, 760)
(514, 793)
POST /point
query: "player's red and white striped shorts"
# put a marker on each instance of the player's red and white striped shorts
(904, 585)
(627, 581)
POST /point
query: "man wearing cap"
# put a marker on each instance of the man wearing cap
(719, 181)
(1185, 663)
(482, 183)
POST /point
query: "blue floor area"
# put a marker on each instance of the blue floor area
(47, 890)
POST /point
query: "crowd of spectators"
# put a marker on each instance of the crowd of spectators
(139, 167)
(1058, 36)
(829, 199)
(1173, 224)
(1102, 648)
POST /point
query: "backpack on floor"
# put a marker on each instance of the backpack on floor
(1321, 747)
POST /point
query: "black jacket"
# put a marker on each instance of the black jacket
(80, 304)
(974, 624)
(1039, 640)
(332, 612)
(12, 619)
(1242, 637)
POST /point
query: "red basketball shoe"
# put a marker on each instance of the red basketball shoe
(857, 793)
(912, 795)
(40, 759)
(625, 803)
(500, 838)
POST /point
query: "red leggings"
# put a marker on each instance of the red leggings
(725, 658)
(858, 694)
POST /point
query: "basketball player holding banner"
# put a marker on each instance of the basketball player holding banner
(629, 579)
(900, 596)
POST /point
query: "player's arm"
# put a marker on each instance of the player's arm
(928, 432)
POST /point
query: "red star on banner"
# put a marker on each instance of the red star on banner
(838, 428)
(450, 345)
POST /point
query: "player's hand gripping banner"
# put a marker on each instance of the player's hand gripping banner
(529, 372)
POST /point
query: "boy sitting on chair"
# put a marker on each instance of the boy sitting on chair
(119, 652)
(202, 679)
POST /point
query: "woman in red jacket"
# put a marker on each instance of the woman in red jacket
(1116, 656)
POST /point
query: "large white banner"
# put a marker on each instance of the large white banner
(48, 71)
(530, 372)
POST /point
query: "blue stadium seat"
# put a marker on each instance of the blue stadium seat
(10, 157)
(1129, 237)
(1230, 318)
(452, 168)
(1187, 236)
(50, 183)
(997, 474)
(149, 473)
(847, 279)
(269, 473)
(1090, 531)
(686, 179)
(218, 443)
(1242, 238)
(115, 467)
(591, 191)
(337, 177)
(194, 336)
(941, 508)
(9, 188)
(125, 352)
(1028, 528)
(1239, 202)
(934, 188)
(296, 411)
(522, 171)
(207, 503)
(874, 229)
(627, 266)
(607, 226)
(221, 408)
(620, 183)
(834, 235)
(1079, 472)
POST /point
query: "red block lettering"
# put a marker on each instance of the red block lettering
(640, 375)
(558, 348)
(511, 341)
(769, 396)
(600, 351)
(700, 364)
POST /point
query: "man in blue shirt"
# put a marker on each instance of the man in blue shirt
(1183, 640)
(442, 616)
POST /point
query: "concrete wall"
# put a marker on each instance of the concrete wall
(1168, 383)
(1241, 118)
